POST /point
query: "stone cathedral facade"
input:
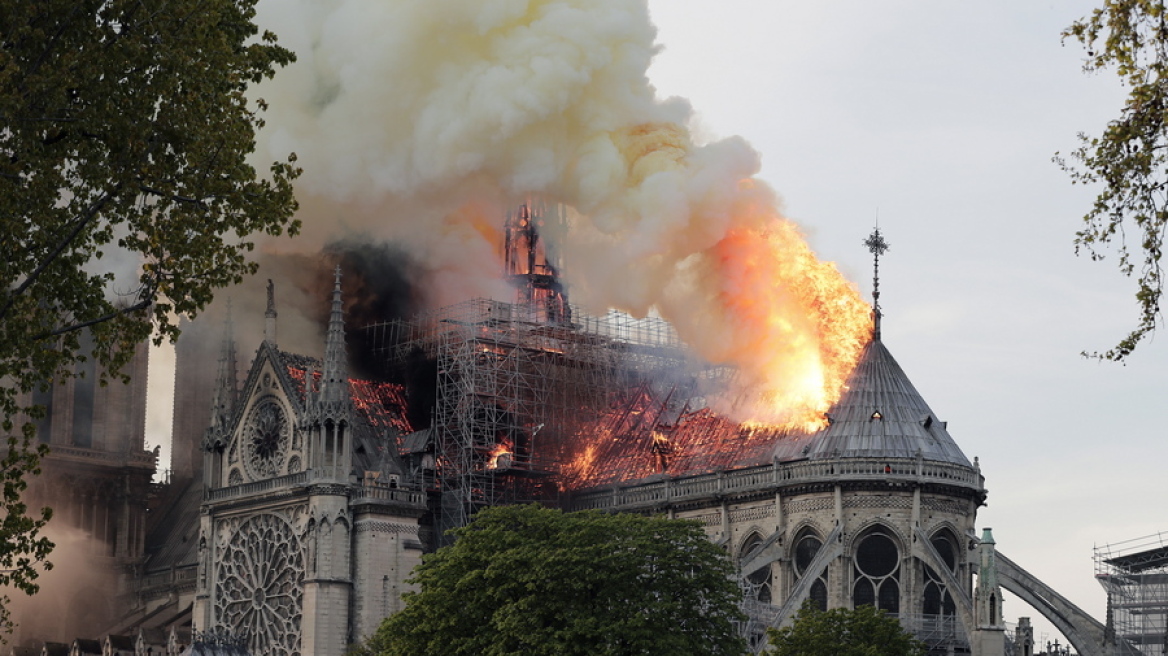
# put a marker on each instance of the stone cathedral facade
(318, 500)
(302, 497)
(306, 532)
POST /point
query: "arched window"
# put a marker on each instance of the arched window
(807, 545)
(759, 581)
(877, 572)
(936, 598)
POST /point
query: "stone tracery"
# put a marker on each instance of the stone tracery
(259, 585)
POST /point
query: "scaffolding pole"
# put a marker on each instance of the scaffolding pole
(516, 381)
(1134, 573)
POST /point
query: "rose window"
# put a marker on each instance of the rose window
(258, 586)
(265, 439)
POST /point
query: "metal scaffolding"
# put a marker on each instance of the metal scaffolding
(1135, 575)
(516, 382)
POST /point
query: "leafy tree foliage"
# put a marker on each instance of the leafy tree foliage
(1130, 159)
(124, 132)
(865, 631)
(530, 580)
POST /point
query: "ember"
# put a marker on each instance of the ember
(501, 457)
(383, 405)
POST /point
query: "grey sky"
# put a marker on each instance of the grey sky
(943, 117)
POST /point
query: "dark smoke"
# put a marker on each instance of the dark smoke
(420, 378)
(379, 284)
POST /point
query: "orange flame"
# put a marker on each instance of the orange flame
(798, 325)
(502, 451)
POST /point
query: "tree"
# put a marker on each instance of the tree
(865, 631)
(531, 580)
(1130, 159)
(124, 133)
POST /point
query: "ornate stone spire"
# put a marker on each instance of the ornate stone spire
(877, 247)
(988, 594)
(270, 315)
(226, 387)
(334, 388)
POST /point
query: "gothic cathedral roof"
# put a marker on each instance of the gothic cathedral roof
(880, 415)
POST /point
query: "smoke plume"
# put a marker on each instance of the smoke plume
(74, 600)
(423, 121)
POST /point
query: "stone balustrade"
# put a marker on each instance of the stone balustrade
(375, 492)
(258, 487)
(366, 492)
(775, 476)
(119, 458)
(176, 576)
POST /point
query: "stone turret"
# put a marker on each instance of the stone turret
(223, 402)
(989, 638)
(334, 400)
(329, 406)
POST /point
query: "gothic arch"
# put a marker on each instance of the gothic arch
(946, 530)
(851, 538)
(758, 582)
(340, 548)
(754, 536)
(801, 534)
(936, 596)
(807, 524)
(948, 526)
(324, 547)
(308, 539)
(805, 546)
(877, 553)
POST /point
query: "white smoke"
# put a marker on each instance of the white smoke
(422, 121)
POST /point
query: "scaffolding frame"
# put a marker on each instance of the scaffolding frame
(1134, 573)
(517, 381)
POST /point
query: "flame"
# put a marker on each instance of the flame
(582, 465)
(501, 449)
(797, 325)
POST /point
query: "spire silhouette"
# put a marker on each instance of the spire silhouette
(877, 247)
(334, 375)
(226, 391)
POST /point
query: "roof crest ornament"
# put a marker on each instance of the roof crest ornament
(877, 247)
(270, 315)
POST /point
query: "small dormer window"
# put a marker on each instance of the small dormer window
(876, 416)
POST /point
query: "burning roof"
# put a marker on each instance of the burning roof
(382, 405)
(880, 415)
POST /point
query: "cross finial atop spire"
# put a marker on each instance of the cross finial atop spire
(876, 246)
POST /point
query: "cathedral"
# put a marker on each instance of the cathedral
(304, 497)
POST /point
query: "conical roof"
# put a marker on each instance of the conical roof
(880, 415)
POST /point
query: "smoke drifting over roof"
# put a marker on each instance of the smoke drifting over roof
(378, 281)
(422, 122)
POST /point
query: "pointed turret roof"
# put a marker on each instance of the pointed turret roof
(881, 415)
(335, 383)
(226, 390)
